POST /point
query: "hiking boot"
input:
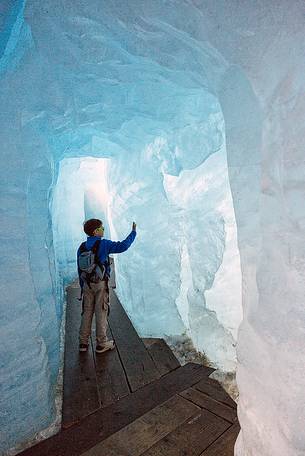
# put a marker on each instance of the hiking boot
(83, 347)
(109, 345)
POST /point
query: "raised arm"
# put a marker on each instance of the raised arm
(122, 246)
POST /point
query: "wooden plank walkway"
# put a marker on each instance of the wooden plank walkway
(162, 355)
(81, 396)
(96, 427)
(110, 376)
(136, 399)
(139, 366)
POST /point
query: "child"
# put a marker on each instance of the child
(96, 293)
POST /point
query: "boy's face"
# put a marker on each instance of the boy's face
(99, 231)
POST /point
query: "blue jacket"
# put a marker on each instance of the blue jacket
(106, 248)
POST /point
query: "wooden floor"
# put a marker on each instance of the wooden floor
(137, 399)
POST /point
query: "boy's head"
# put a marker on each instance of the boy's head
(94, 227)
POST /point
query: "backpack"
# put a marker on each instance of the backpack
(91, 270)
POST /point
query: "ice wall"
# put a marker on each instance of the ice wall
(210, 291)
(141, 83)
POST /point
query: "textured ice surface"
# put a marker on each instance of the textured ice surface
(210, 291)
(147, 85)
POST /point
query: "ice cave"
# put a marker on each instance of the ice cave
(186, 116)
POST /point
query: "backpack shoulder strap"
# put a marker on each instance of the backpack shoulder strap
(96, 246)
(82, 247)
(95, 250)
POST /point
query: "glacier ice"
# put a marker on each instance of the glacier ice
(210, 258)
(176, 111)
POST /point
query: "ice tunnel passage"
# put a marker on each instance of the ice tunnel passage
(196, 291)
(118, 77)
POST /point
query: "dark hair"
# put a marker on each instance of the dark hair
(91, 225)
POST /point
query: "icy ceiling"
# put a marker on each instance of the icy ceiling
(186, 109)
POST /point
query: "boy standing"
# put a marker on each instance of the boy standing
(96, 293)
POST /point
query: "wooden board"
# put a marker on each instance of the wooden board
(213, 389)
(103, 423)
(146, 430)
(139, 366)
(111, 379)
(80, 397)
(162, 355)
(191, 437)
(224, 446)
(204, 401)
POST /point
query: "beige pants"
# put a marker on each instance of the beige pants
(95, 300)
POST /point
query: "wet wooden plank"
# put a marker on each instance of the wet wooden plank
(80, 397)
(162, 355)
(111, 379)
(191, 437)
(213, 389)
(138, 364)
(104, 422)
(146, 430)
(204, 401)
(224, 446)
